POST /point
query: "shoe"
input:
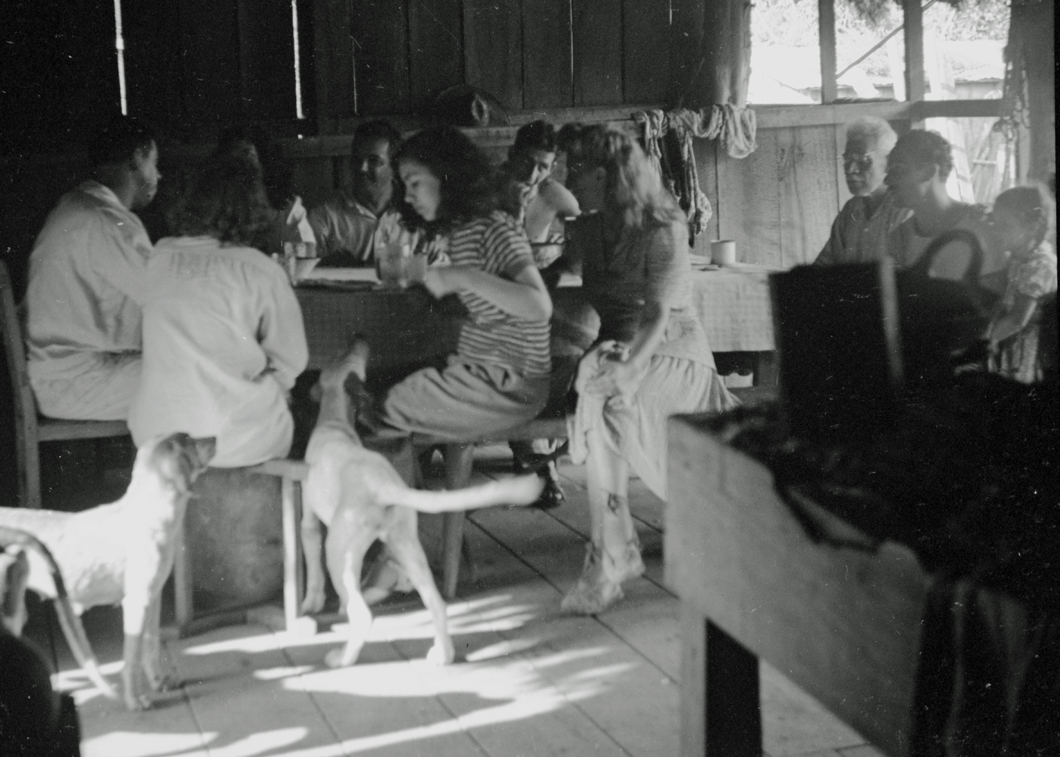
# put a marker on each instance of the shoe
(551, 495)
(600, 585)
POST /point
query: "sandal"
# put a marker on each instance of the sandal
(600, 585)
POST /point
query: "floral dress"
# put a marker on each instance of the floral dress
(1034, 277)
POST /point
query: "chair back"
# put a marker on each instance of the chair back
(21, 417)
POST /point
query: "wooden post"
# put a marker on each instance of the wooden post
(711, 48)
(914, 50)
(826, 33)
(1034, 20)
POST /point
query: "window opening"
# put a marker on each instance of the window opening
(297, 63)
(119, 48)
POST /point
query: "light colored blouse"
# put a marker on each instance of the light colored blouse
(223, 344)
(86, 272)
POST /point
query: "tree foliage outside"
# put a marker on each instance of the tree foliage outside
(793, 23)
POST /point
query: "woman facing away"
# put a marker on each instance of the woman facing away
(1023, 218)
(651, 359)
(223, 344)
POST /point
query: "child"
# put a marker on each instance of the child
(1023, 218)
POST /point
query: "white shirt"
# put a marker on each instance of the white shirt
(223, 344)
(86, 274)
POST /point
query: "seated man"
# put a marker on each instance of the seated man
(345, 224)
(87, 265)
(859, 233)
(537, 201)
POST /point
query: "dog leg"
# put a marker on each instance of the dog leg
(405, 544)
(345, 554)
(146, 569)
(159, 668)
(312, 536)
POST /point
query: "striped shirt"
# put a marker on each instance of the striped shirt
(496, 245)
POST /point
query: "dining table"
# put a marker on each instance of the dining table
(408, 328)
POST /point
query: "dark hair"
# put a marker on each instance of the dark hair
(536, 135)
(118, 140)
(1032, 206)
(226, 201)
(467, 180)
(275, 174)
(373, 131)
(924, 147)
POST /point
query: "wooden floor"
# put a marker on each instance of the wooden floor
(529, 680)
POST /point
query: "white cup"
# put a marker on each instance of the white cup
(723, 252)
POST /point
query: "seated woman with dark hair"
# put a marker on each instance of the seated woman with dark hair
(499, 376)
(222, 330)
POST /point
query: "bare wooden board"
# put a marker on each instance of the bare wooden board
(547, 54)
(493, 50)
(645, 51)
(380, 55)
(597, 43)
(840, 623)
(807, 190)
(266, 59)
(436, 49)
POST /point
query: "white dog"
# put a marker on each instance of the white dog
(360, 497)
(121, 552)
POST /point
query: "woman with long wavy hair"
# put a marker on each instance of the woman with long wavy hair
(499, 374)
(651, 359)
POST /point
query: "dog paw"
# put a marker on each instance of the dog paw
(137, 702)
(313, 603)
(441, 655)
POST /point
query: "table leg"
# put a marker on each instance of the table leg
(720, 701)
(765, 371)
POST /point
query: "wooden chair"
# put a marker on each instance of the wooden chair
(459, 456)
(31, 428)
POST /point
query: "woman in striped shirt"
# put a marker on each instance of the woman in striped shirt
(499, 375)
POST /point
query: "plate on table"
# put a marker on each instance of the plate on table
(364, 274)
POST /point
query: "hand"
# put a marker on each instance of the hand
(441, 281)
(616, 380)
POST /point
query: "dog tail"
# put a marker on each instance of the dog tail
(518, 490)
(68, 619)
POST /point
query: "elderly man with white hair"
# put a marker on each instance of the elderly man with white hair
(860, 231)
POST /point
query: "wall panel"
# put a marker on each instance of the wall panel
(645, 51)
(209, 71)
(597, 41)
(547, 54)
(436, 49)
(266, 60)
(333, 61)
(493, 49)
(380, 54)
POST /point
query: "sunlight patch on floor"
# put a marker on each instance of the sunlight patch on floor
(130, 744)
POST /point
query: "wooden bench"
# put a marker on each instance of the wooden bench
(30, 428)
